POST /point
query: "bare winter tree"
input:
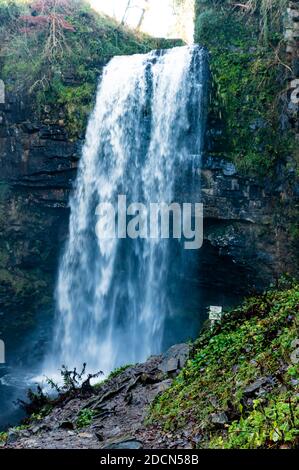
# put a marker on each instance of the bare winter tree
(142, 5)
(46, 21)
(49, 15)
(144, 9)
(128, 6)
(184, 11)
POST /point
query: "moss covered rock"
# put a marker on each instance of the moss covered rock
(240, 386)
(249, 80)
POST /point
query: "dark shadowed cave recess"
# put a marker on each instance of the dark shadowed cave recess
(212, 279)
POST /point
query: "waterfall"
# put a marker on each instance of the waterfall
(113, 296)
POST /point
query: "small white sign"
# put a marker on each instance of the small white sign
(215, 313)
(2, 352)
(2, 92)
(215, 309)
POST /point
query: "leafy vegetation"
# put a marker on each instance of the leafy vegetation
(73, 384)
(85, 418)
(115, 373)
(3, 437)
(55, 50)
(118, 371)
(266, 425)
(258, 341)
(249, 75)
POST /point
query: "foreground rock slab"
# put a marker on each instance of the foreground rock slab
(119, 407)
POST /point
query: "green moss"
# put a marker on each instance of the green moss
(45, 411)
(3, 437)
(115, 373)
(254, 341)
(85, 418)
(248, 80)
(64, 83)
(266, 425)
(9, 278)
(118, 371)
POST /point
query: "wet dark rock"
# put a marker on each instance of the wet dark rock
(98, 433)
(43, 426)
(175, 358)
(38, 166)
(214, 402)
(150, 378)
(12, 437)
(67, 425)
(125, 444)
(129, 398)
(120, 407)
(256, 386)
(219, 418)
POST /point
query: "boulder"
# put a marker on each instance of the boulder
(219, 418)
(254, 387)
(129, 443)
(175, 358)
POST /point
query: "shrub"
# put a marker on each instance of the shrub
(253, 341)
(85, 418)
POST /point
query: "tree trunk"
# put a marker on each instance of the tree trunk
(126, 12)
(144, 10)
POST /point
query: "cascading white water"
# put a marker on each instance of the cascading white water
(112, 295)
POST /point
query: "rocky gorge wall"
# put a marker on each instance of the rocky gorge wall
(251, 234)
(246, 220)
(292, 48)
(37, 168)
(38, 165)
(250, 168)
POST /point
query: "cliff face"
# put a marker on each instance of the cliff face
(250, 238)
(36, 155)
(246, 220)
(291, 36)
(46, 95)
(38, 167)
(250, 172)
